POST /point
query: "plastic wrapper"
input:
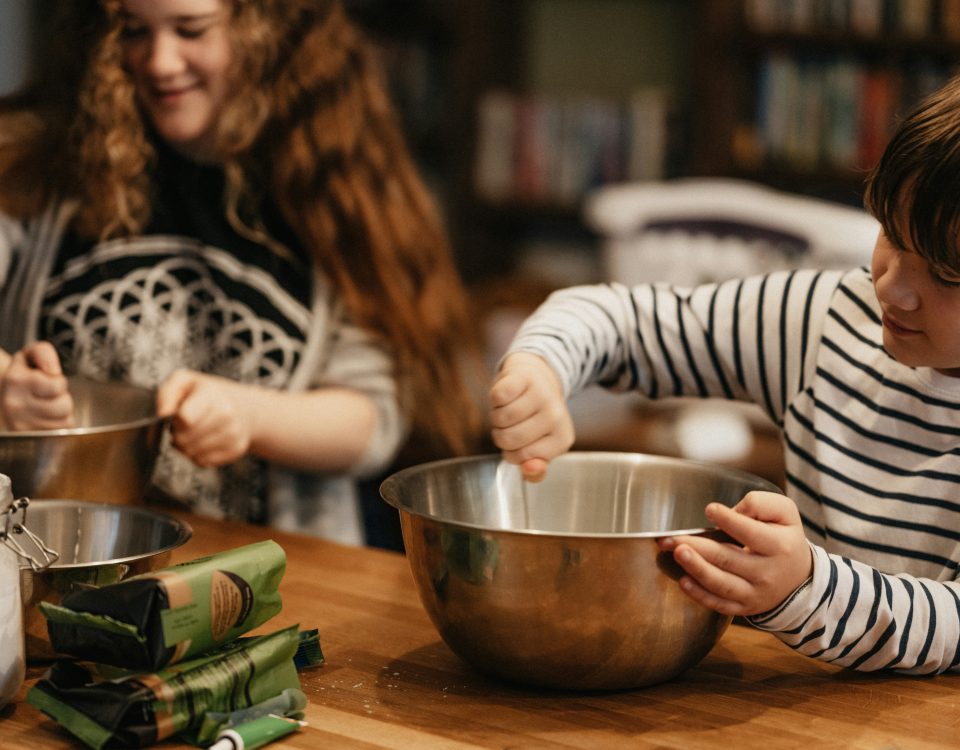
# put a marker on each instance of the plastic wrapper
(163, 617)
(140, 710)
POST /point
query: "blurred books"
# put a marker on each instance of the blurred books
(833, 114)
(539, 149)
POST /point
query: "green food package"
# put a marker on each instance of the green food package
(141, 710)
(165, 616)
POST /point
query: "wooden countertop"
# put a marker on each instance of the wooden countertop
(390, 682)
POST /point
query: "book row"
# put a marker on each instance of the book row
(552, 150)
(868, 18)
(815, 114)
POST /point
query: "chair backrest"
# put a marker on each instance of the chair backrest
(697, 230)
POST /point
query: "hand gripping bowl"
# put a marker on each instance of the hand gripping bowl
(97, 543)
(107, 457)
(561, 584)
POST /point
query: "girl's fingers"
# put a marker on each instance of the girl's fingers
(51, 389)
(43, 356)
(173, 391)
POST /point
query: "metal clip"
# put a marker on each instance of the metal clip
(12, 527)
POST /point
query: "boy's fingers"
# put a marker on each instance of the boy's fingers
(716, 567)
(751, 523)
(534, 469)
(709, 599)
(507, 388)
(543, 449)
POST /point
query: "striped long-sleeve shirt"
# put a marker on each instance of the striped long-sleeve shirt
(871, 447)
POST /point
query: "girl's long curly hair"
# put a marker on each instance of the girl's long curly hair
(309, 126)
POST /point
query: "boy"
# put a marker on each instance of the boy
(857, 563)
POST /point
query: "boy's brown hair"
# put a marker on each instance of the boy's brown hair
(914, 190)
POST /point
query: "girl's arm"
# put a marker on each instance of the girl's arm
(216, 421)
(348, 419)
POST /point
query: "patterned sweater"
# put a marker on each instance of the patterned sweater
(193, 293)
(871, 447)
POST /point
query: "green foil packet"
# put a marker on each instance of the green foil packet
(141, 710)
(165, 616)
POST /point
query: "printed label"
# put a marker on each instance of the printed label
(180, 623)
(231, 600)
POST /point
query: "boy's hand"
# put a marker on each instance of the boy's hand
(530, 420)
(210, 424)
(774, 560)
(34, 394)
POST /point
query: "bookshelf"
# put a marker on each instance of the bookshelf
(803, 94)
(569, 80)
(596, 96)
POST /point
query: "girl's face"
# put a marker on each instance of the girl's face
(920, 308)
(179, 55)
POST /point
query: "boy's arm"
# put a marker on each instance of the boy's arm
(747, 339)
(854, 616)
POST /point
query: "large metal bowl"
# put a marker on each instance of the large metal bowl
(561, 584)
(108, 456)
(98, 544)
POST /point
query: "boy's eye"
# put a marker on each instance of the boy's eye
(948, 283)
(949, 280)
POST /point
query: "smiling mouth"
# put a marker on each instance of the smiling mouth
(896, 328)
(167, 94)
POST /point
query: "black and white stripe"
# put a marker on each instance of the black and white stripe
(872, 447)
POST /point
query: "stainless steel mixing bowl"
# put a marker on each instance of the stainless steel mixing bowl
(561, 584)
(98, 544)
(107, 457)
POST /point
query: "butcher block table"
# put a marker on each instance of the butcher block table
(390, 682)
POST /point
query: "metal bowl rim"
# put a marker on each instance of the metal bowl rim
(78, 431)
(92, 430)
(183, 529)
(634, 458)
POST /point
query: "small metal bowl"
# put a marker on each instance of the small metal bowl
(107, 457)
(561, 583)
(98, 544)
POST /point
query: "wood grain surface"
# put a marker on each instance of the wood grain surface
(390, 682)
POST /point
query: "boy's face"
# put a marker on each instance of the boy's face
(921, 309)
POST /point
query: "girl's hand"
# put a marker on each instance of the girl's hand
(34, 394)
(210, 424)
(773, 562)
(530, 420)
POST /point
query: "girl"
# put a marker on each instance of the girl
(213, 197)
